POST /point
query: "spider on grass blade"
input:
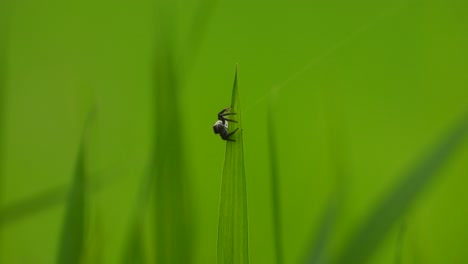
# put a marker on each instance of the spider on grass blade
(221, 126)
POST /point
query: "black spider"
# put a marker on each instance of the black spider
(221, 126)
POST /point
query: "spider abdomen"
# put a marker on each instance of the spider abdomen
(219, 127)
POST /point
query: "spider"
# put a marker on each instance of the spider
(221, 126)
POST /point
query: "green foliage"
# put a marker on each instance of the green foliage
(158, 71)
(275, 186)
(4, 13)
(3, 69)
(172, 209)
(233, 233)
(399, 243)
(134, 253)
(72, 242)
(395, 204)
(31, 206)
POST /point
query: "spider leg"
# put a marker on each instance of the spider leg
(230, 134)
(230, 120)
(226, 114)
(224, 110)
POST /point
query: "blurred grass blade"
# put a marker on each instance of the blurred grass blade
(3, 66)
(233, 225)
(198, 28)
(52, 197)
(3, 84)
(172, 208)
(72, 242)
(32, 205)
(94, 244)
(319, 251)
(134, 252)
(73, 231)
(275, 193)
(47, 199)
(385, 215)
(399, 244)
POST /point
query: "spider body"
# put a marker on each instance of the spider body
(221, 126)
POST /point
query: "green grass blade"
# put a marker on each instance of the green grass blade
(385, 215)
(3, 66)
(318, 253)
(199, 26)
(134, 252)
(399, 244)
(94, 243)
(319, 250)
(172, 204)
(275, 193)
(32, 205)
(73, 233)
(3, 82)
(172, 208)
(233, 246)
(72, 243)
(50, 198)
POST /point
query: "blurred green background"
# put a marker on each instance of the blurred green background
(362, 91)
